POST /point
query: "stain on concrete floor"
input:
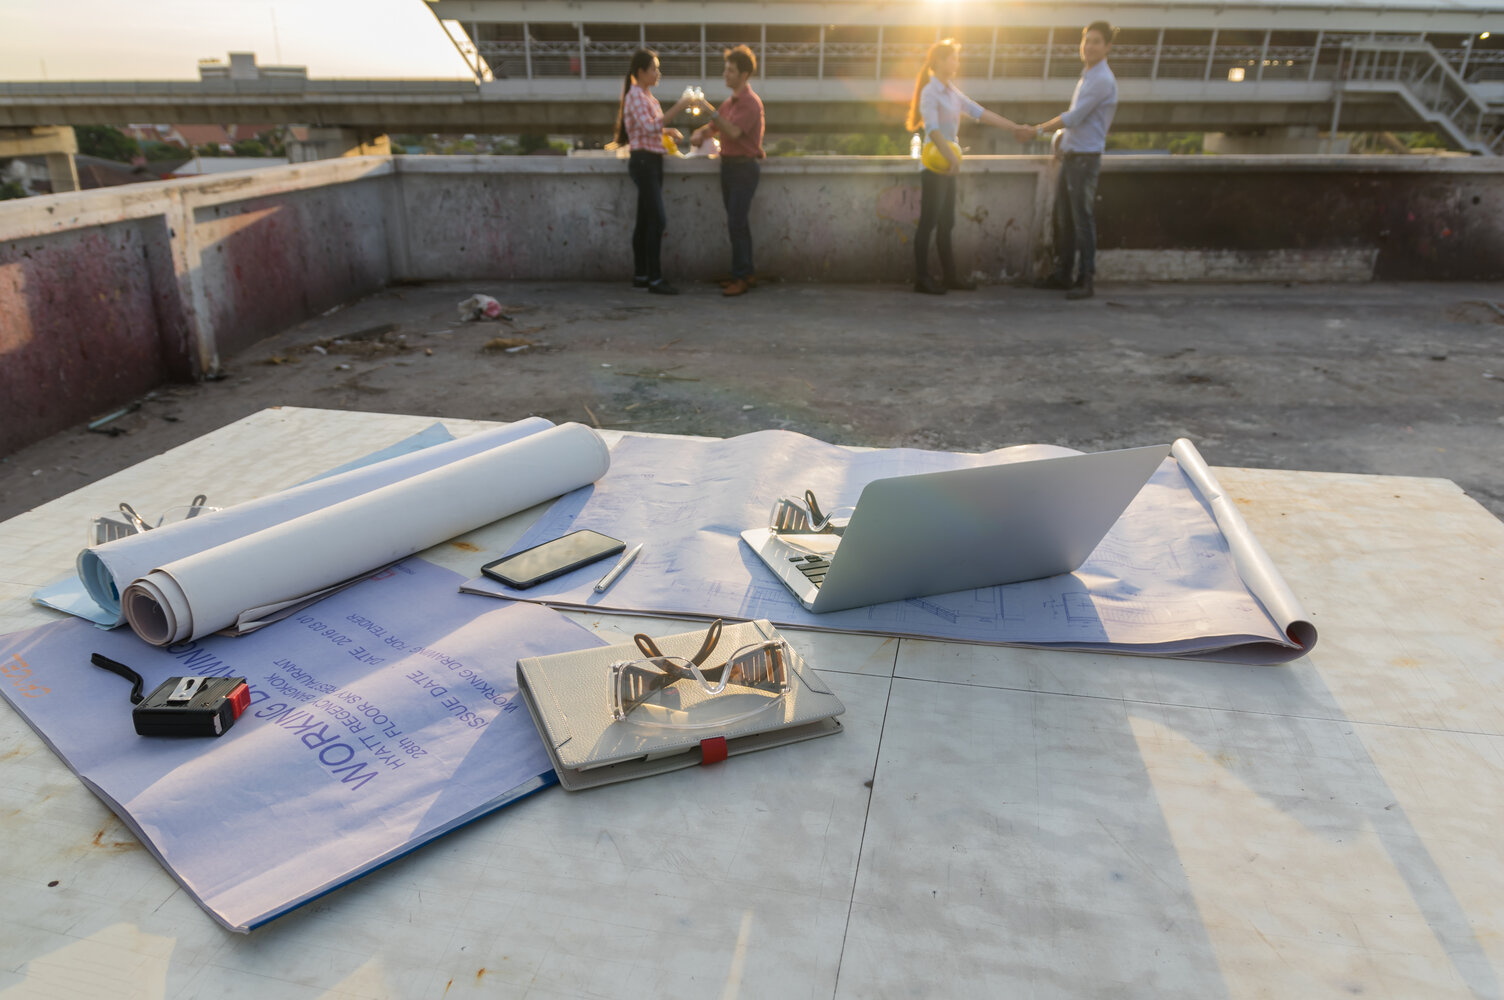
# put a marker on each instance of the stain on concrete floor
(1401, 379)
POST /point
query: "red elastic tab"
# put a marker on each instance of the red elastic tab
(712, 750)
(240, 700)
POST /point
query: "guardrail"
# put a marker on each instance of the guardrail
(1421, 75)
(820, 59)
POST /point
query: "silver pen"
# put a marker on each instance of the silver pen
(618, 569)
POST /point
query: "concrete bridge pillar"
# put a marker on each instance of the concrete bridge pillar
(56, 142)
(324, 143)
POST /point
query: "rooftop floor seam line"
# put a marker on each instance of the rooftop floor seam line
(856, 873)
(1209, 708)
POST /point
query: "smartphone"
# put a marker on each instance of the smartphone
(553, 558)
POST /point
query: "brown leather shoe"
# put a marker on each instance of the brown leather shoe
(1083, 290)
(738, 286)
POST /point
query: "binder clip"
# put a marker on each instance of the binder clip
(804, 517)
(124, 521)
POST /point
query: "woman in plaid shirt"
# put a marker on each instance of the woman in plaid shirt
(639, 123)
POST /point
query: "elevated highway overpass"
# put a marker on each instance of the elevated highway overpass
(847, 66)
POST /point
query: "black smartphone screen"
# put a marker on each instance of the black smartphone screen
(553, 558)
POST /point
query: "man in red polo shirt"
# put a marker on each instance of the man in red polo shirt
(738, 122)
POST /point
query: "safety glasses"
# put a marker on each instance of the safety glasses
(679, 693)
(124, 520)
(804, 517)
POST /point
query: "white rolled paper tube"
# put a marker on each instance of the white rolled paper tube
(106, 569)
(161, 613)
(206, 591)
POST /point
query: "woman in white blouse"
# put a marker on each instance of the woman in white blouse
(936, 110)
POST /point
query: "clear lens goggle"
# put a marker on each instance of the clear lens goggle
(124, 520)
(804, 517)
(678, 693)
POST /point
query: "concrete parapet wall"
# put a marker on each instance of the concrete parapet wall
(88, 319)
(1254, 218)
(1414, 218)
(267, 261)
(105, 294)
(814, 218)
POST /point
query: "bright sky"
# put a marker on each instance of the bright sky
(165, 39)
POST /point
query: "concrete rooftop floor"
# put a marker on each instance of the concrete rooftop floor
(1398, 379)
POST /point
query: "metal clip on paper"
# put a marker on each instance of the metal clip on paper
(124, 521)
(804, 517)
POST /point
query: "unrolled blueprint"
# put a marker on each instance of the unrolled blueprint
(381, 718)
(1164, 581)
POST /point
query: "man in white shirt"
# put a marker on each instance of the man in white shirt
(1080, 148)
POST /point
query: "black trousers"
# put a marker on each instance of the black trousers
(937, 215)
(646, 171)
(739, 175)
(1076, 216)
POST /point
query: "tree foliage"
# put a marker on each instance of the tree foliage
(162, 151)
(106, 142)
(870, 144)
(1175, 143)
(531, 142)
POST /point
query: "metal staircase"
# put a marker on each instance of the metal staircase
(1418, 75)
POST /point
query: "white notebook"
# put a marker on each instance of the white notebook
(569, 697)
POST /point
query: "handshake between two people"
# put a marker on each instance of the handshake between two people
(1028, 133)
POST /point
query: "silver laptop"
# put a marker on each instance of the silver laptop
(912, 536)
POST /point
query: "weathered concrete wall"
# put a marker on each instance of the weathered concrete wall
(270, 261)
(1303, 218)
(104, 294)
(1258, 218)
(816, 218)
(87, 319)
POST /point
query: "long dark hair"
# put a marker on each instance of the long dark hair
(939, 50)
(641, 59)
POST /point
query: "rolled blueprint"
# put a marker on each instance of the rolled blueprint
(1258, 571)
(206, 591)
(106, 570)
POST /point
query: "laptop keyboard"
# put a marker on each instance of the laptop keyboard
(813, 567)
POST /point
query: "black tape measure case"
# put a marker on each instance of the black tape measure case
(192, 706)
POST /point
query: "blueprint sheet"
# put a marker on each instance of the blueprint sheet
(380, 718)
(1163, 581)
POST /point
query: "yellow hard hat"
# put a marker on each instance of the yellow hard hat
(671, 147)
(935, 160)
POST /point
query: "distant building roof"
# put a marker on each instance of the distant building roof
(242, 66)
(93, 172)
(166, 168)
(200, 165)
(200, 135)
